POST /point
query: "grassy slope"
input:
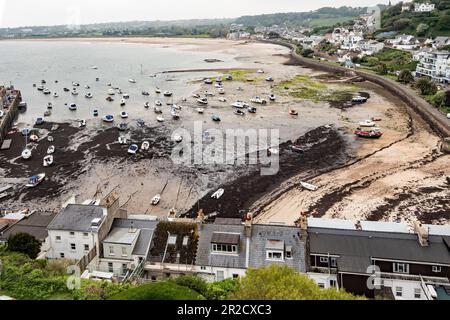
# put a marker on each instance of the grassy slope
(159, 291)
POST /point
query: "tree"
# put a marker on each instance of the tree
(405, 77)
(283, 283)
(438, 100)
(382, 69)
(422, 29)
(307, 53)
(426, 87)
(24, 243)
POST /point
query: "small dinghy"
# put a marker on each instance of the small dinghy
(123, 115)
(147, 105)
(109, 99)
(35, 180)
(221, 91)
(111, 92)
(239, 112)
(203, 101)
(145, 145)
(158, 103)
(126, 96)
(140, 122)
(132, 80)
(74, 92)
(272, 97)
(47, 91)
(1, 114)
(367, 123)
(178, 139)
(175, 115)
(269, 79)
(308, 186)
(47, 113)
(82, 123)
(108, 118)
(51, 150)
(48, 161)
(200, 110)
(372, 133)
(26, 154)
(66, 89)
(122, 126)
(73, 107)
(133, 149)
(122, 140)
(50, 139)
(26, 131)
(218, 194)
(208, 81)
(34, 138)
(158, 90)
(122, 102)
(88, 95)
(157, 110)
(49, 105)
(293, 112)
(251, 109)
(196, 96)
(55, 95)
(168, 93)
(95, 113)
(222, 100)
(359, 99)
(216, 118)
(156, 199)
(145, 93)
(159, 119)
(39, 121)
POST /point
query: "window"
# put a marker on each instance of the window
(58, 238)
(436, 269)
(202, 268)
(398, 291)
(124, 252)
(321, 285)
(289, 253)
(73, 247)
(333, 262)
(110, 267)
(235, 276)
(124, 268)
(323, 259)
(85, 234)
(225, 248)
(274, 255)
(417, 293)
(62, 255)
(220, 275)
(86, 247)
(111, 250)
(401, 267)
(333, 283)
(72, 234)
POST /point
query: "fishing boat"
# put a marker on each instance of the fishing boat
(158, 103)
(108, 118)
(123, 115)
(109, 99)
(133, 149)
(159, 119)
(372, 133)
(51, 150)
(158, 90)
(203, 101)
(35, 180)
(88, 95)
(168, 93)
(218, 194)
(82, 123)
(200, 110)
(47, 113)
(132, 80)
(49, 105)
(26, 154)
(251, 109)
(145, 93)
(293, 112)
(308, 186)
(95, 113)
(258, 100)
(239, 112)
(145, 145)
(367, 123)
(156, 199)
(122, 140)
(216, 118)
(73, 107)
(122, 102)
(157, 110)
(48, 161)
(122, 126)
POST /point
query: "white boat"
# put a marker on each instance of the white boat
(157, 110)
(159, 119)
(145, 145)
(108, 118)
(122, 102)
(49, 105)
(222, 100)
(239, 112)
(51, 150)
(34, 138)
(55, 95)
(240, 104)
(1, 114)
(111, 92)
(156, 199)
(122, 140)
(221, 91)
(309, 186)
(73, 107)
(258, 100)
(448, 115)
(208, 81)
(269, 79)
(82, 123)
(158, 90)
(202, 101)
(272, 97)
(88, 95)
(218, 194)
(46, 91)
(200, 110)
(26, 154)
(260, 71)
(126, 96)
(35, 180)
(132, 80)
(147, 105)
(74, 92)
(209, 94)
(40, 88)
(196, 96)
(94, 67)
(123, 115)
(48, 161)
(158, 103)
(175, 115)
(50, 139)
(133, 149)
(168, 93)
(367, 123)
(178, 139)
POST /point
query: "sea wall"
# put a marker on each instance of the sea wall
(437, 120)
(11, 112)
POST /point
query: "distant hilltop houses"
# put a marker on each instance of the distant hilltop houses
(418, 7)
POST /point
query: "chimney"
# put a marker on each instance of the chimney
(422, 233)
(302, 222)
(200, 219)
(248, 225)
(132, 228)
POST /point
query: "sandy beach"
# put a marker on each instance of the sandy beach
(400, 176)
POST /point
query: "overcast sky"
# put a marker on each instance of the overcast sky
(15, 13)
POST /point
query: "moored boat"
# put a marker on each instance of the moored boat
(156, 199)
(145, 145)
(308, 186)
(108, 118)
(367, 123)
(133, 149)
(35, 180)
(218, 194)
(51, 150)
(48, 161)
(372, 133)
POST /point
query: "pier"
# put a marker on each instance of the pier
(10, 99)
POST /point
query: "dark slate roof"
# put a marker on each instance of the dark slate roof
(225, 238)
(234, 221)
(147, 228)
(35, 225)
(76, 217)
(264, 235)
(206, 258)
(356, 248)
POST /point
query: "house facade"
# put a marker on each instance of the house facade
(435, 65)
(424, 7)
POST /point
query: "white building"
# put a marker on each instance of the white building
(435, 65)
(424, 7)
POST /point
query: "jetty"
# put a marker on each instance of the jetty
(9, 103)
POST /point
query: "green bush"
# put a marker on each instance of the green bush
(158, 291)
(195, 283)
(426, 87)
(221, 290)
(24, 243)
(405, 77)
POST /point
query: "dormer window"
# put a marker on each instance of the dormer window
(275, 250)
(401, 267)
(225, 242)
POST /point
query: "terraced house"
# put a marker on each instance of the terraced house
(435, 65)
